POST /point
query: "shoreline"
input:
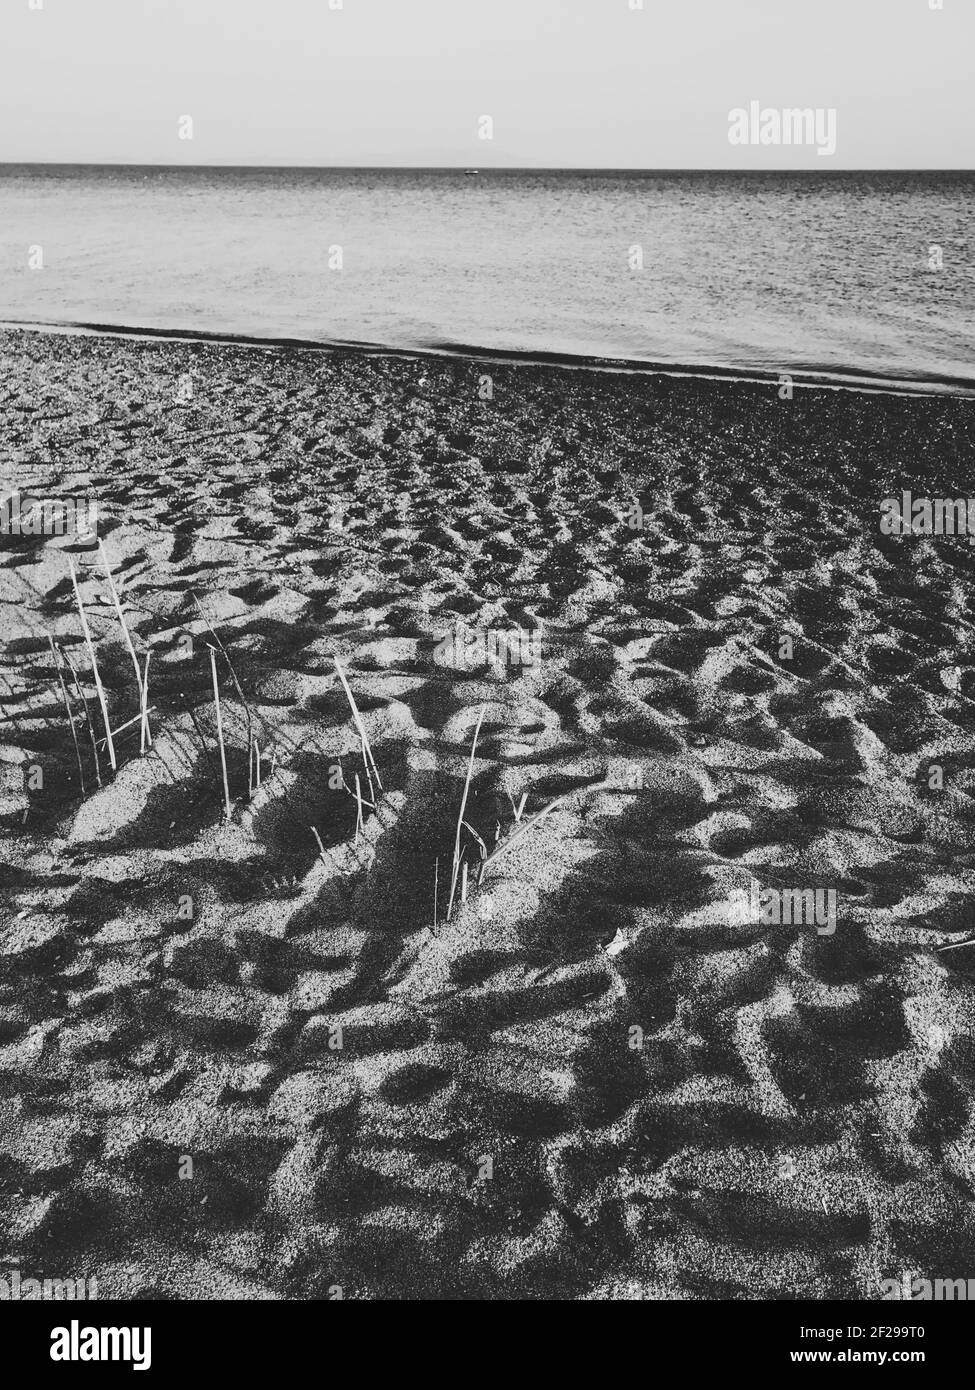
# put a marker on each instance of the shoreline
(805, 379)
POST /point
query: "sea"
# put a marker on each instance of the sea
(852, 277)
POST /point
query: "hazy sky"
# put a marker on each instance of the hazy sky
(582, 83)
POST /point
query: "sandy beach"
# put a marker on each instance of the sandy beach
(251, 1057)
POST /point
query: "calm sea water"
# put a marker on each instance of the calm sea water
(802, 273)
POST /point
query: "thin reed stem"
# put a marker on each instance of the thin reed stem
(84, 700)
(367, 750)
(125, 634)
(94, 665)
(67, 706)
(237, 686)
(223, 753)
(463, 807)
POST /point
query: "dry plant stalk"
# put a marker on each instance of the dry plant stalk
(359, 822)
(94, 665)
(199, 732)
(136, 719)
(84, 701)
(365, 764)
(128, 642)
(358, 792)
(520, 834)
(145, 736)
(488, 857)
(460, 819)
(367, 757)
(223, 753)
(240, 693)
(67, 706)
(321, 847)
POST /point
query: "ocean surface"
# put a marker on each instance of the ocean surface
(825, 274)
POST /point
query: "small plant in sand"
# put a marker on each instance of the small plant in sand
(460, 873)
(253, 747)
(459, 866)
(61, 659)
(368, 761)
(83, 701)
(141, 677)
(370, 770)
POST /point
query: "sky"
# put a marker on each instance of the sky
(566, 83)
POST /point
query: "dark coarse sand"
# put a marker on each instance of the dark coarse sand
(235, 1064)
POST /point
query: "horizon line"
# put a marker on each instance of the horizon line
(488, 169)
